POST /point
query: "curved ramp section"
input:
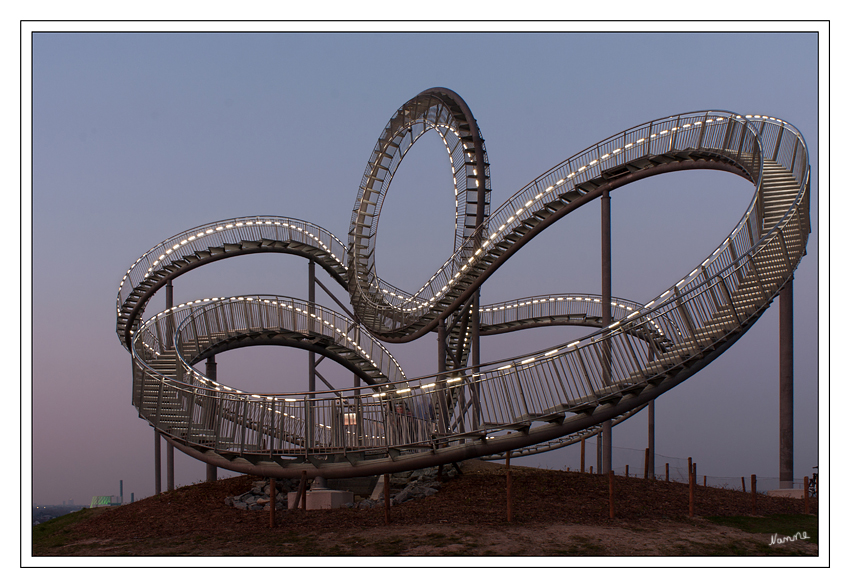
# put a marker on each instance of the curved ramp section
(208, 243)
(554, 396)
(185, 404)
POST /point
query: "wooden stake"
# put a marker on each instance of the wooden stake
(743, 485)
(627, 470)
(691, 484)
(272, 501)
(753, 488)
(591, 469)
(508, 484)
(646, 464)
(806, 495)
(387, 499)
(704, 481)
(611, 493)
(666, 472)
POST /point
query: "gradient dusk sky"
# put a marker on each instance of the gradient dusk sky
(139, 136)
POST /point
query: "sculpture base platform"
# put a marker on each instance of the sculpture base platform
(322, 499)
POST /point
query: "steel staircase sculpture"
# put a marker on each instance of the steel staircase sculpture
(529, 403)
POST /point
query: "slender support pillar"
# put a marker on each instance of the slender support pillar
(650, 442)
(169, 303)
(606, 446)
(311, 299)
(606, 319)
(476, 357)
(441, 346)
(212, 405)
(358, 403)
(582, 456)
(786, 386)
(157, 462)
(311, 365)
(169, 449)
(442, 409)
(169, 466)
(599, 442)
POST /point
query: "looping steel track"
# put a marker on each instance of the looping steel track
(530, 403)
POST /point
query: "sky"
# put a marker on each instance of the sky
(137, 137)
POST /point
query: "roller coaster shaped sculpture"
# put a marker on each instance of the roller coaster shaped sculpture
(526, 404)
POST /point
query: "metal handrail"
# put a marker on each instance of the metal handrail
(216, 235)
(706, 310)
(653, 138)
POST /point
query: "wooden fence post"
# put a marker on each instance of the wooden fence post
(303, 489)
(753, 488)
(627, 470)
(508, 483)
(646, 464)
(611, 494)
(691, 484)
(387, 499)
(666, 472)
(743, 485)
(704, 481)
(806, 495)
(272, 501)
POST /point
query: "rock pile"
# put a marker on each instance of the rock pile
(404, 486)
(410, 485)
(257, 498)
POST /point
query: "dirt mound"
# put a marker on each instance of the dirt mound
(194, 520)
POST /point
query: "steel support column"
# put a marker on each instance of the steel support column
(169, 449)
(786, 385)
(169, 466)
(358, 402)
(598, 453)
(476, 357)
(169, 303)
(606, 319)
(212, 374)
(441, 367)
(311, 360)
(157, 462)
(650, 442)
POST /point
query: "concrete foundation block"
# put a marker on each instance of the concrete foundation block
(322, 499)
